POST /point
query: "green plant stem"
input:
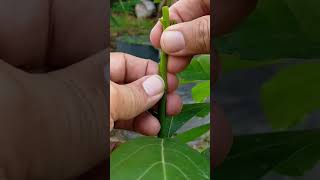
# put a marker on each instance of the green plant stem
(165, 21)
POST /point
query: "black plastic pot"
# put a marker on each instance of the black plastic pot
(138, 46)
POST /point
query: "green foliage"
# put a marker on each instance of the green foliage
(253, 156)
(193, 133)
(231, 63)
(113, 21)
(277, 29)
(124, 6)
(201, 91)
(188, 111)
(206, 153)
(198, 72)
(199, 69)
(157, 159)
(292, 94)
(129, 25)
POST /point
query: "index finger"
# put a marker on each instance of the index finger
(125, 68)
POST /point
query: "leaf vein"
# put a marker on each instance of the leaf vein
(202, 172)
(148, 169)
(139, 149)
(163, 161)
(171, 164)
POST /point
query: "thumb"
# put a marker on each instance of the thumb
(130, 100)
(188, 38)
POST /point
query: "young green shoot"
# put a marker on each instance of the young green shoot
(165, 21)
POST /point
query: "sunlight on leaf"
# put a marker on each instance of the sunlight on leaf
(201, 91)
(199, 69)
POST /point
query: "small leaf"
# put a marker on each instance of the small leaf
(253, 156)
(193, 133)
(188, 111)
(201, 91)
(150, 158)
(204, 112)
(291, 95)
(199, 69)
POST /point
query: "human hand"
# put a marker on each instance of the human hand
(135, 88)
(191, 35)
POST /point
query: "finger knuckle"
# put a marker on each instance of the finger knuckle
(136, 98)
(203, 34)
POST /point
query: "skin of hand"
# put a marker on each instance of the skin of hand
(135, 87)
(53, 118)
(191, 36)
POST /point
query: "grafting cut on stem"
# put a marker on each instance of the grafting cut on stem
(164, 131)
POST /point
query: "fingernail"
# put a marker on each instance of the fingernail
(154, 85)
(172, 41)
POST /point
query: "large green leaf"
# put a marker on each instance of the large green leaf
(232, 63)
(277, 29)
(253, 156)
(206, 153)
(201, 91)
(302, 161)
(193, 133)
(199, 69)
(157, 159)
(188, 111)
(292, 94)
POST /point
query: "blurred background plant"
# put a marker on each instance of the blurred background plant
(269, 91)
(124, 21)
(132, 18)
